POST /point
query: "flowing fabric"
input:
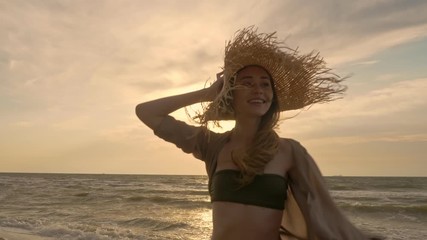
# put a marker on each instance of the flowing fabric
(310, 213)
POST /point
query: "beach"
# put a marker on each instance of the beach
(154, 207)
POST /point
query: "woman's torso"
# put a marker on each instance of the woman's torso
(233, 220)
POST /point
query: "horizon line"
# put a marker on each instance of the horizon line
(169, 174)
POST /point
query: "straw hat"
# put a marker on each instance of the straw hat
(299, 80)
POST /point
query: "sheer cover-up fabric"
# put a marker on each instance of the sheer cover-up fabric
(310, 213)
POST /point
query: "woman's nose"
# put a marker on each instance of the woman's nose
(257, 88)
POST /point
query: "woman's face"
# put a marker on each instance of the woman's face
(254, 92)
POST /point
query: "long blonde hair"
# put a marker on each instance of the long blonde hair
(252, 160)
(263, 148)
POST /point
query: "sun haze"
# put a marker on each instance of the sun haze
(73, 72)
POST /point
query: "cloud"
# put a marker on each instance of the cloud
(397, 137)
(346, 31)
(92, 52)
(157, 45)
(397, 97)
(22, 124)
(77, 69)
(369, 116)
(370, 62)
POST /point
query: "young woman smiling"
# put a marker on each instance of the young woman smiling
(261, 186)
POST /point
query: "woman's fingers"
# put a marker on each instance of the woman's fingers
(216, 87)
(220, 75)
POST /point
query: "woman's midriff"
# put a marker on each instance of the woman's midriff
(246, 222)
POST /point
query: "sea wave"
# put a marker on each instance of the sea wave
(177, 192)
(176, 202)
(419, 210)
(63, 206)
(155, 224)
(377, 183)
(85, 232)
(68, 230)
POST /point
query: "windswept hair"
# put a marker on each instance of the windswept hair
(263, 148)
(252, 160)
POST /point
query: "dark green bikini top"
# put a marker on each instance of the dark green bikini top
(266, 190)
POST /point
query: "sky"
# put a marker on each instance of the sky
(72, 72)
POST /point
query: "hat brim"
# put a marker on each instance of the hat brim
(299, 80)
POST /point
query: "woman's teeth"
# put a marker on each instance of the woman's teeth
(256, 101)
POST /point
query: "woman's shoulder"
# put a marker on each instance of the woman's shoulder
(285, 146)
(291, 145)
(287, 142)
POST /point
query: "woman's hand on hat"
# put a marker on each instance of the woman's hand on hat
(214, 89)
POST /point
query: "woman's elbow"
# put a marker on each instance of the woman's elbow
(140, 112)
(146, 116)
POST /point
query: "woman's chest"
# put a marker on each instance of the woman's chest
(279, 162)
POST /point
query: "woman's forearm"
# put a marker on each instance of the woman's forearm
(152, 113)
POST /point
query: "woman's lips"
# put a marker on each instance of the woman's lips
(256, 100)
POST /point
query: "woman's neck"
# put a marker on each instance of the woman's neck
(245, 130)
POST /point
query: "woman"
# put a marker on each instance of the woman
(261, 186)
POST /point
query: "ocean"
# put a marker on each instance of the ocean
(149, 207)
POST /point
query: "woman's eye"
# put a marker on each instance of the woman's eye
(247, 84)
(266, 84)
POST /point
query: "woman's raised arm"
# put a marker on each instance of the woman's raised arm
(152, 113)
